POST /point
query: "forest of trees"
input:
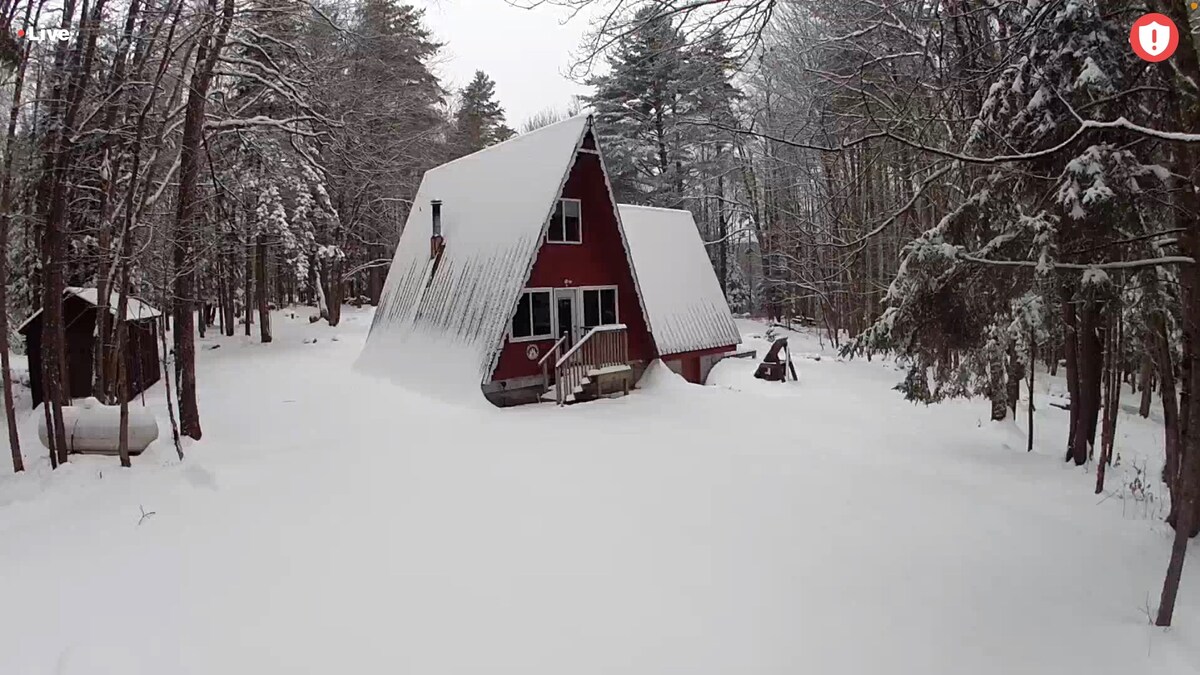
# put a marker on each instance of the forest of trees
(973, 187)
(217, 158)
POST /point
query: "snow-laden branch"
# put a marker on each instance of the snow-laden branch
(287, 124)
(729, 236)
(903, 210)
(379, 262)
(1119, 265)
(1084, 127)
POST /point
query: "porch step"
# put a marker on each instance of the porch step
(551, 395)
(598, 373)
(606, 382)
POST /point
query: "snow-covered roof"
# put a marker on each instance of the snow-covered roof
(495, 206)
(135, 309)
(679, 289)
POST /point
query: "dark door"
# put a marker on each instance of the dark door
(565, 309)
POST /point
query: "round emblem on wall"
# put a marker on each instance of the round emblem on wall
(532, 352)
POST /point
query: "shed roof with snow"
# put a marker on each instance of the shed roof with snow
(679, 290)
(81, 310)
(135, 309)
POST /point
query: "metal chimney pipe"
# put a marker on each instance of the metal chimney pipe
(436, 243)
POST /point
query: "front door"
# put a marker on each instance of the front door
(564, 313)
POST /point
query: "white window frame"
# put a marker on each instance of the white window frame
(532, 338)
(580, 302)
(576, 312)
(562, 223)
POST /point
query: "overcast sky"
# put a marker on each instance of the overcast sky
(527, 52)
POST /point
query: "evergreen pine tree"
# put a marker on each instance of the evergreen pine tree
(480, 118)
(639, 106)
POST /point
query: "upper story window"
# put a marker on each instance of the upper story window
(566, 223)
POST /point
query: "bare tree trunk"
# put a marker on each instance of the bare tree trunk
(1112, 396)
(249, 290)
(1188, 449)
(1188, 492)
(319, 286)
(10, 411)
(201, 310)
(1166, 370)
(722, 236)
(170, 397)
(376, 275)
(1147, 369)
(1032, 370)
(1070, 344)
(260, 288)
(221, 296)
(1115, 398)
(1016, 373)
(187, 216)
(113, 160)
(333, 295)
(997, 390)
(123, 355)
(1090, 365)
(50, 199)
(228, 280)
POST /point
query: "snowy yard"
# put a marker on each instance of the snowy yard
(331, 522)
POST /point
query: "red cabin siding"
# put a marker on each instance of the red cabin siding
(600, 260)
(689, 364)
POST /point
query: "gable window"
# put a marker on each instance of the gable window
(566, 223)
(532, 320)
(599, 307)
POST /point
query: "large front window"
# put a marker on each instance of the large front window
(566, 223)
(533, 320)
(599, 307)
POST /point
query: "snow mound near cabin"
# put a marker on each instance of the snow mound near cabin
(659, 378)
(447, 372)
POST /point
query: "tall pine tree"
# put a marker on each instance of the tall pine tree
(480, 119)
(639, 105)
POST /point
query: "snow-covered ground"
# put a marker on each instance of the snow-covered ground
(331, 522)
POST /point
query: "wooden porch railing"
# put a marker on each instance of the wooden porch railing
(544, 362)
(602, 347)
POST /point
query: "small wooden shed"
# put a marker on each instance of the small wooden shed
(81, 308)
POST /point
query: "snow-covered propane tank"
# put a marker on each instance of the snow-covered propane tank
(92, 427)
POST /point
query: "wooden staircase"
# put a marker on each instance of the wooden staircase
(595, 367)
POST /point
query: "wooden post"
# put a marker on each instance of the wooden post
(1032, 370)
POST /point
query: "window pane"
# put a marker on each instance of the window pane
(571, 229)
(608, 306)
(541, 313)
(522, 327)
(556, 224)
(591, 308)
(572, 217)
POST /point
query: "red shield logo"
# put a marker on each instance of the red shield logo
(1154, 37)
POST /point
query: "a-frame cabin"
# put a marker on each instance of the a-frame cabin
(515, 277)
